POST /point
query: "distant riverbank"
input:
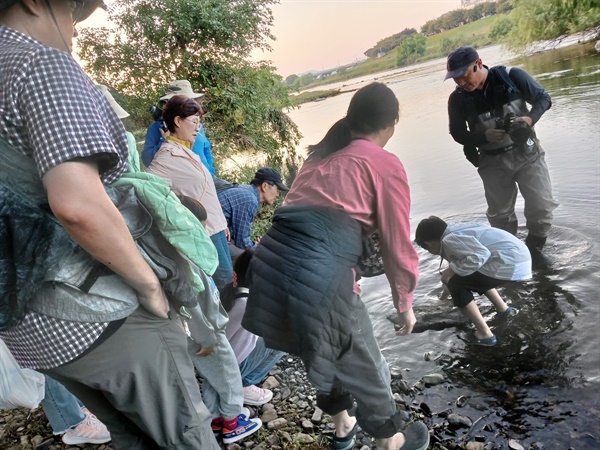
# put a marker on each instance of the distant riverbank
(318, 91)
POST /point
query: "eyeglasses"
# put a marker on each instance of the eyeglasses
(197, 123)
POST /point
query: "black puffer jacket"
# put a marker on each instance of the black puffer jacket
(302, 282)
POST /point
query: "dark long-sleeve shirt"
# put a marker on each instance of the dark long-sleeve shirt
(530, 90)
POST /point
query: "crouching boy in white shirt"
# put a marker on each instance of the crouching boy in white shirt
(481, 259)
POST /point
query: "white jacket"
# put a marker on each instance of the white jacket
(475, 247)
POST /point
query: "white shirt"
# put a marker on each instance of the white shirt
(475, 247)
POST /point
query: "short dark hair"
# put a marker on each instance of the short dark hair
(194, 206)
(179, 106)
(430, 229)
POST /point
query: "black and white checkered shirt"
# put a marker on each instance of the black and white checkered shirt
(52, 112)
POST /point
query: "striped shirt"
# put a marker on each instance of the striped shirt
(52, 112)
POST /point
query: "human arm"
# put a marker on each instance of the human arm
(447, 274)
(202, 148)
(457, 117)
(465, 254)
(400, 258)
(207, 151)
(533, 93)
(152, 143)
(79, 202)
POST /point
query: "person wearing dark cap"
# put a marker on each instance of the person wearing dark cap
(490, 117)
(241, 203)
(80, 303)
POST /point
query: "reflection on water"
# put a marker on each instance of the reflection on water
(541, 383)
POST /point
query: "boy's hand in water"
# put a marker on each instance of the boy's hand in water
(407, 322)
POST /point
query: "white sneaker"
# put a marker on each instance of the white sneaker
(90, 431)
(253, 395)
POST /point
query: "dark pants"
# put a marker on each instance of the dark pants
(360, 373)
(140, 382)
(462, 288)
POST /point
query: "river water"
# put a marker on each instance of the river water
(541, 383)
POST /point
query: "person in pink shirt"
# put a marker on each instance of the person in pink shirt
(303, 296)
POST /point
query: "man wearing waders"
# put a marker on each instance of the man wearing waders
(489, 116)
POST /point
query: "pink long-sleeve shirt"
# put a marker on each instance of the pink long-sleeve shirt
(369, 184)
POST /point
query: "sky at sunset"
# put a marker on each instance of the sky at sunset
(322, 34)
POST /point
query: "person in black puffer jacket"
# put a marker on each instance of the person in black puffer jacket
(303, 297)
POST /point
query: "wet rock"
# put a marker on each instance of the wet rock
(424, 407)
(433, 378)
(459, 420)
(474, 446)
(445, 412)
(277, 424)
(514, 445)
(419, 385)
(427, 356)
(403, 387)
(462, 401)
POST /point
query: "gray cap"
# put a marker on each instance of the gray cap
(459, 61)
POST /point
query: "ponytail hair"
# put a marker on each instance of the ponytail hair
(372, 108)
(338, 137)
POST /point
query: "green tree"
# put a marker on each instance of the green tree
(410, 49)
(535, 20)
(500, 28)
(209, 43)
(291, 79)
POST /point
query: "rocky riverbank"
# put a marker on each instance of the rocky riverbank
(292, 420)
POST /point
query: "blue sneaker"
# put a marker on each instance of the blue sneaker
(244, 429)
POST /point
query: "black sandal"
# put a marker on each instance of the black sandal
(347, 442)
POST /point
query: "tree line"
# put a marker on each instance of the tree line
(209, 42)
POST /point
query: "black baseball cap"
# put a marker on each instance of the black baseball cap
(269, 174)
(459, 61)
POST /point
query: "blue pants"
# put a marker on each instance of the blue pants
(224, 273)
(221, 382)
(62, 408)
(259, 363)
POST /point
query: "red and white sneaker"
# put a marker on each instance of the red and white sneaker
(90, 431)
(253, 395)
